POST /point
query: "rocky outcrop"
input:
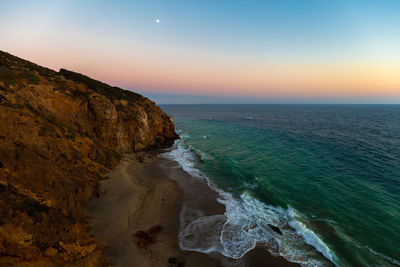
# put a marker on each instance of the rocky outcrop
(59, 133)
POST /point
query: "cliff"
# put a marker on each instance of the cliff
(59, 133)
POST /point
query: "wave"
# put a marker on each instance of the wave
(185, 157)
(309, 236)
(247, 223)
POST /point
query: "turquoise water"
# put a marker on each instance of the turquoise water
(328, 175)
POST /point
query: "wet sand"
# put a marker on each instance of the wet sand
(145, 191)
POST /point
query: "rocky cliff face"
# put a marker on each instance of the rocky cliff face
(59, 133)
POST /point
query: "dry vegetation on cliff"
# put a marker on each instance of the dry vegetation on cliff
(59, 132)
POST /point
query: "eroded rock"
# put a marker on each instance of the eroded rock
(60, 132)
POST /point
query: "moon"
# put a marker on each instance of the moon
(157, 21)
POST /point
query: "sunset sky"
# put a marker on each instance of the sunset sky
(213, 51)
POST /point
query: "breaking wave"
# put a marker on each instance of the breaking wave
(248, 223)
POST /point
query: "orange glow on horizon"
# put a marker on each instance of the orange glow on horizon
(204, 74)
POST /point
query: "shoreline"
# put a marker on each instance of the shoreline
(136, 196)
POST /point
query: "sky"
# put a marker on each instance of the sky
(210, 51)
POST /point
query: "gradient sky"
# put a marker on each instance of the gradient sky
(217, 51)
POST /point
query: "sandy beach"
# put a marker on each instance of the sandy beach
(145, 191)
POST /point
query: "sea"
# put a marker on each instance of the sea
(328, 176)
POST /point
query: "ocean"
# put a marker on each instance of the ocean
(328, 176)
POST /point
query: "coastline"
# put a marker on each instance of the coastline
(144, 191)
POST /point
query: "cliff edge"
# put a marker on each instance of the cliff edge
(59, 133)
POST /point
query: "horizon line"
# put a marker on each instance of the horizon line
(282, 104)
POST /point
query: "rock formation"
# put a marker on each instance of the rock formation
(59, 133)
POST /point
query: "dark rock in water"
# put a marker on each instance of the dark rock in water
(275, 229)
(172, 260)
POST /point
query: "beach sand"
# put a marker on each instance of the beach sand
(145, 191)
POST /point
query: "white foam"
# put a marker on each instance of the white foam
(200, 230)
(185, 157)
(245, 224)
(309, 236)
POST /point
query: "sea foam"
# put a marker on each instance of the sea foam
(245, 224)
